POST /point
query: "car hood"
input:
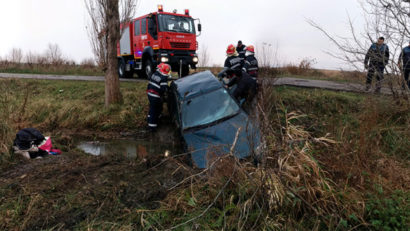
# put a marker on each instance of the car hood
(217, 140)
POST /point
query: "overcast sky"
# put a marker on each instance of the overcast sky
(32, 24)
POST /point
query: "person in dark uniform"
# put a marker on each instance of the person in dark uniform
(251, 63)
(241, 49)
(232, 62)
(375, 62)
(404, 64)
(157, 87)
(245, 89)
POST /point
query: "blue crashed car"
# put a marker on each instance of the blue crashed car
(208, 119)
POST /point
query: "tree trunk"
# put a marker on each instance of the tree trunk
(112, 83)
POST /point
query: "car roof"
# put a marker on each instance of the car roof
(196, 84)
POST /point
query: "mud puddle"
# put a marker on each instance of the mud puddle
(128, 147)
(163, 142)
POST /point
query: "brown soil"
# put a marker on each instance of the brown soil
(75, 187)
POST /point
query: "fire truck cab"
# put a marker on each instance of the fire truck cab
(157, 37)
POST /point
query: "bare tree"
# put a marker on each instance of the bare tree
(16, 55)
(104, 33)
(53, 54)
(267, 54)
(387, 18)
(30, 58)
(204, 56)
(88, 62)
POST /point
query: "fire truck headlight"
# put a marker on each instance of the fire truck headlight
(195, 59)
(164, 59)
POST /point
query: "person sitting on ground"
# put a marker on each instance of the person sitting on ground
(30, 143)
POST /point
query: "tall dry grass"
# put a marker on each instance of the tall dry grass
(287, 190)
(12, 108)
(307, 179)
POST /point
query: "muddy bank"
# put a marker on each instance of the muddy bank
(65, 191)
(72, 189)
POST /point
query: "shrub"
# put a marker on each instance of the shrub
(388, 212)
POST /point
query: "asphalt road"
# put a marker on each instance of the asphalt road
(60, 77)
(283, 81)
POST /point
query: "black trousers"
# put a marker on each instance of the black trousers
(155, 109)
(378, 70)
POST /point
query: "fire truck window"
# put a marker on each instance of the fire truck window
(137, 27)
(176, 24)
(144, 26)
(152, 27)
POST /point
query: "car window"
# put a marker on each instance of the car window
(207, 108)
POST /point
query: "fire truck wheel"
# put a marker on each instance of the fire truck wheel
(148, 68)
(122, 73)
(185, 70)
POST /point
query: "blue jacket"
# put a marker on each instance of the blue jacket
(378, 55)
(405, 57)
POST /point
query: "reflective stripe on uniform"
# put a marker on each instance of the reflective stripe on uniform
(164, 84)
(155, 85)
(152, 125)
(153, 95)
(235, 66)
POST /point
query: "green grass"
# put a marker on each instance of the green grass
(54, 105)
(52, 70)
(389, 211)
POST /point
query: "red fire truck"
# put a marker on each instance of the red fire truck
(158, 37)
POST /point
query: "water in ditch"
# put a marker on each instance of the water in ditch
(161, 143)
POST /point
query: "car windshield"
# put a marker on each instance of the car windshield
(176, 24)
(208, 108)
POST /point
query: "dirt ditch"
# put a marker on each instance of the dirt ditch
(76, 187)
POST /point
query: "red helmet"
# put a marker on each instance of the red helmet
(164, 68)
(231, 50)
(250, 48)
